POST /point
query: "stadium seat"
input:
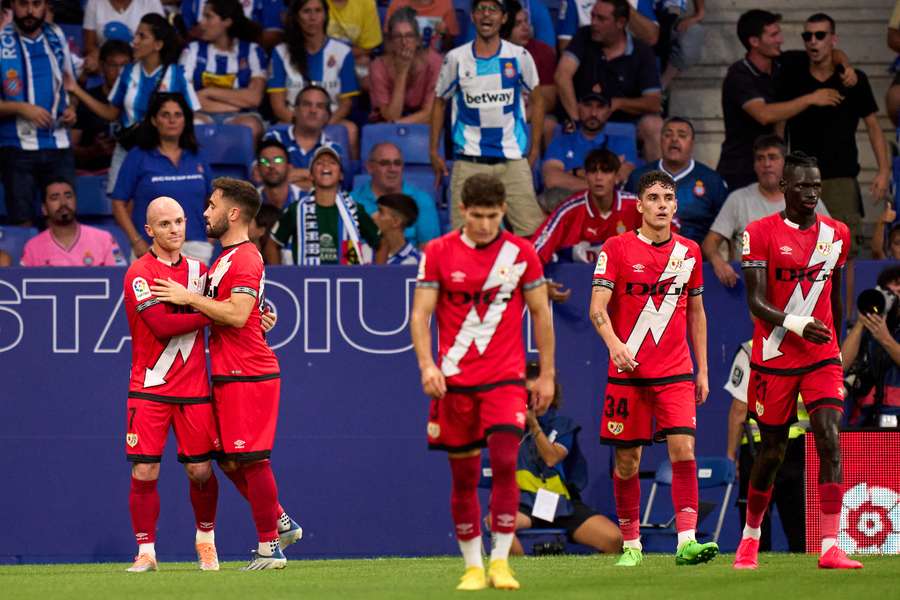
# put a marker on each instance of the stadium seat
(74, 35)
(338, 133)
(109, 224)
(712, 472)
(91, 193)
(626, 131)
(411, 139)
(12, 240)
(227, 148)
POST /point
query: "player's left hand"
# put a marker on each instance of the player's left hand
(269, 318)
(543, 392)
(848, 77)
(701, 388)
(170, 291)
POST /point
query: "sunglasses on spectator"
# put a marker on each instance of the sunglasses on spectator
(278, 160)
(808, 35)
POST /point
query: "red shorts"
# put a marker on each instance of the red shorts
(629, 411)
(772, 399)
(462, 420)
(247, 413)
(148, 425)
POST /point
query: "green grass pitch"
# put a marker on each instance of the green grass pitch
(591, 577)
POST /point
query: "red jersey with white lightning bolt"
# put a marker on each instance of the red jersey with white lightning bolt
(240, 353)
(650, 285)
(479, 310)
(799, 264)
(172, 369)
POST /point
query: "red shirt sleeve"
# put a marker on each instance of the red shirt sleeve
(607, 263)
(429, 274)
(534, 270)
(695, 283)
(754, 246)
(844, 233)
(549, 236)
(165, 325)
(245, 275)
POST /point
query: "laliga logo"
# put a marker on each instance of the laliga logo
(870, 520)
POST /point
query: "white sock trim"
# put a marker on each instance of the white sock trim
(686, 536)
(500, 545)
(827, 543)
(471, 552)
(205, 537)
(635, 543)
(752, 532)
(147, 549)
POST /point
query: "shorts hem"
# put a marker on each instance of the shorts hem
(625, 443)
(661, 435)
(472, 389)
(144, 458)
(244, 456)
(795, 371)
(650, 381)
(197, 458)
(832, 403)
(244, 378)
(170, 399)
(476, 445)
(500, 428)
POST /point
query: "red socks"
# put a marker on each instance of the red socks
(204, 498)
(464, 475)
(830, 509)
(240, 482)
(144, 504)
(262, 494)
(503, 448)
(684, 494)
(757, 503)
(627, 493)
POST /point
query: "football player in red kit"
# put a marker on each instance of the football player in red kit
(647, 298)
(792, 262)
(478, 280)
(168, 388)
(245, 371)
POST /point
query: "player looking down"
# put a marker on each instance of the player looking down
(792, 263)
(647, 297)
(477, 280)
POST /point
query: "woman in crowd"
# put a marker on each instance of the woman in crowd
(310, 56)
(154, 69)
(112, 19)
(403, 80)
(165, 162)
(436, 18)
(227, 67)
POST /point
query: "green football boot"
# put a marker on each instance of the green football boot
(631, 557)
(693, 552)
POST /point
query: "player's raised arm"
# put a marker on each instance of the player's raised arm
(618, 351)
(539, 306)
(424, 301)
(696, 318)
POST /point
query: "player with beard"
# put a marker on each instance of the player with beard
(245, 371)
(792, 263)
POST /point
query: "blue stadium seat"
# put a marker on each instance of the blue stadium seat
(338, 133)
(74, 35)
(92, 198)
(228, 149)
(12, 240)
(626, 131)
(411, 139)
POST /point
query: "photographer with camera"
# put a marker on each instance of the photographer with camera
(872, 351)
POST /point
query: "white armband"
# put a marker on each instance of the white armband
(796, 324)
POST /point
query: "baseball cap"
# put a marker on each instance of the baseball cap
(116, 30)
(594, 95)
(323, 150)
(499, 3)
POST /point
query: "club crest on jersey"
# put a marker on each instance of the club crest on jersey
(620, 227)
(675, 264)
(823, 248)
(131, 439)
(88, 259)
(745, 243)
(520, 418)
(509, 70)
(760, 409)
(434, 430)
(615, 427)
(332, 60)
(141, 289)
(601, 264)
(699, 189)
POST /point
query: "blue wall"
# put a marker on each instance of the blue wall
(350, 455)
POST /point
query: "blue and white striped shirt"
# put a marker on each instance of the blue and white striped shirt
(332, 68)
(132, 90)
(488, 116)
(206, 66)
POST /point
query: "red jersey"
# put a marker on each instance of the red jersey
(240, 353)
(799, 264)
(165, 369)
(576, 230)
(479, 311)
(651, 284)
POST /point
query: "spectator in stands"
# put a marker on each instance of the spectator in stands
(748, 204)
(834, 145)
(326, 227)
(395, 213)
(748, 94)
(112, 19)
(550, 459)
(385, 165)
(603, 57)
(892, 99)
(579, 226)
(307, 134)
(487, 80)
(575, 14)
(165, 162)
(274, 167)
(518, 30)
(562, 167)
(34, 108)
(262, 224)
(155, 68)
(699, 191)
(886, 222)
(681, 37)
(436, 19)
(404, 77)
(267, 13)
(309, 56)
(93, 141)
(66, 242)
(357, 23)
(227, 68)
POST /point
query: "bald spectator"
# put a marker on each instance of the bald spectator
(66, 242)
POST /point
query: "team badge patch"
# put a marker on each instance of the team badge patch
(131, 439)
(699, 189)
(760, 409)
(88, 259)
(620, 227)
(434, 430)
(737, 376)
(675, 264)
(332, 61)
(12, 85)
(823, 248)
(509, 70)
(141, 289)
(600, 269)
(615, 427)
(745, 243)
